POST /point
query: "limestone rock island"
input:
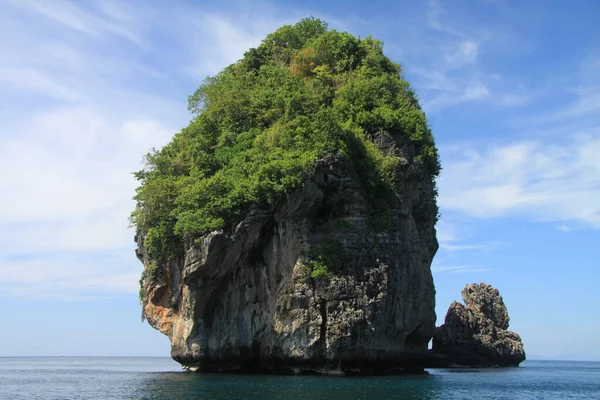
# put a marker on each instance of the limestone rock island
(476, 333)
(291, 226)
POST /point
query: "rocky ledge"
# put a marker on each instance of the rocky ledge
(476, 334)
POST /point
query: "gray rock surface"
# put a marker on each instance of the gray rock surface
(475, 334)
(248, 297)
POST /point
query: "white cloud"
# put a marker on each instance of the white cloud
(471, 91)
(447, 67)
(459, 48)
(110, 20)
(68, 194)
(564, 227)
(546, 182)
(435, 80)
(452, 238)
(73, 277)
(82, 107)
(438, 267)
(224, 43)
(30, 79)
(587, 103)
(465, 52)
(72, 163)
(511, 99)
(81, 110)
(451, 73)
(434, 17)
(215, 40)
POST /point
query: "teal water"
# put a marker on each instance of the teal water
(160, 378)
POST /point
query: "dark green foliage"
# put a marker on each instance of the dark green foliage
(319, 269)
(152, 273)
(260, 124)
(325, 258)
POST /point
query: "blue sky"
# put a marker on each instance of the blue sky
(511, 89)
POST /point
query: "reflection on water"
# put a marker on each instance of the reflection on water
(135, 378)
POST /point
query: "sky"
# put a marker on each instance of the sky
(511, 90)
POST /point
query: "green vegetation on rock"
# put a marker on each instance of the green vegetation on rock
(319, 268)
(261, 123)
(152, 273)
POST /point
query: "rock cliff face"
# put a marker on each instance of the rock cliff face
(476, 334)
(311, 283)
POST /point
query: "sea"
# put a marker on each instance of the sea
(161, 378)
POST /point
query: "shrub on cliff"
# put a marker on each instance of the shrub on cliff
(261, 123)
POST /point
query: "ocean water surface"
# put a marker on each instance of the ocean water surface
(161, 378)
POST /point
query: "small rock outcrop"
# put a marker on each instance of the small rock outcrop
(476, 334)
